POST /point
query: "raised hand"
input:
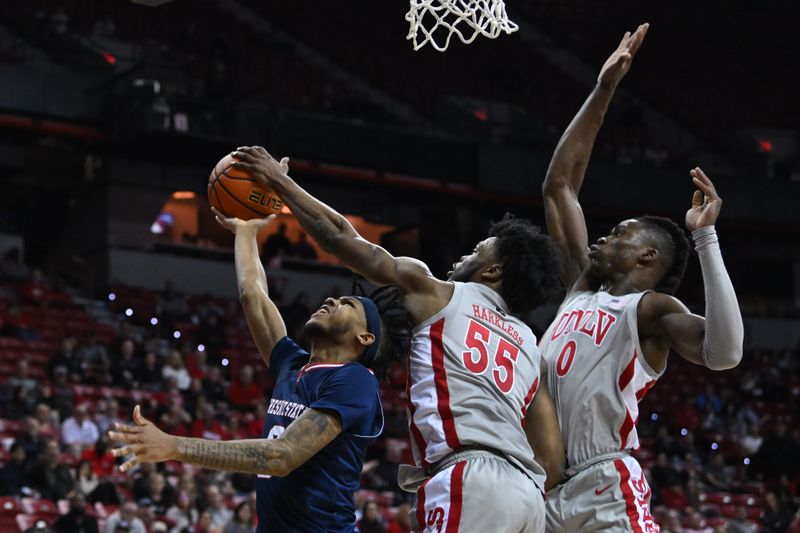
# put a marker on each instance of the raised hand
(619, 62)
(706, 203)
(143, 441)
(233, 224)
(261, 165)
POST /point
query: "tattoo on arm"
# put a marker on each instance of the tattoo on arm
(304, 437)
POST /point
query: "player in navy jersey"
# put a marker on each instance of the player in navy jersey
(484, 434)
(324, 411)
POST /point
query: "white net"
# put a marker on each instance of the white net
(435, 21)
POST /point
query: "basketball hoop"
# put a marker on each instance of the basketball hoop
(434, 21)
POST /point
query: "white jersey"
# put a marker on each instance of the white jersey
(596, 373)
(473, 372)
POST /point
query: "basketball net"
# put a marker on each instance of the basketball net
(435, 21)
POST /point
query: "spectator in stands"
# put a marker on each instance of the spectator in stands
(717, 475)
(663, 473)
(711, 422)
(76, 520)
(709, 397)
(18, 326)
(85, 478)
(150, 376)
(159, 496)
(125, 365)
(31, 440)
(23, 390)
(48, 421)
(303, 249)
(277, 245)
(696, 523)
(35, 291)
(62, 395)
(776, 516)
(751, 441)
(105, 414)
(94, 358)
(78, 430)
(242, 521)
(125, 517)
(775, 452)
(52, 479)
(205, 524)
(171, 305)
(371, 519)
(219, 513)
(183, 513)
(214, 386)
(12, 475)
(174, 370)
(794, 527)
(69, 358)
(740, 523)
(197, 364)
(99, 457)
(402, 520)
(243, 391)
(206, 426)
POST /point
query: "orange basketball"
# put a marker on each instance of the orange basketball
(235, 193)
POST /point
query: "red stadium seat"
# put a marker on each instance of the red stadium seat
(42, 507)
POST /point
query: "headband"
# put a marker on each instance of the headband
(374, 327)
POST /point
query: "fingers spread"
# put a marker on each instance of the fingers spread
(124, 467)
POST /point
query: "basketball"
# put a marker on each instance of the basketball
(235, 193)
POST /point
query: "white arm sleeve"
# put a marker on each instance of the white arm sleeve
(724, 336)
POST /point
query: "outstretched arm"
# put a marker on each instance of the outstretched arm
(425, 294)
(563, 213)
(265, 322)
(715, 341)
(544, 436)
(303, 438)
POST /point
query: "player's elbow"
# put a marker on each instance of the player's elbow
(249, 290)
(555, 184)
(723, 359)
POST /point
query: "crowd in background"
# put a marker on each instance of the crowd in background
(722, 451)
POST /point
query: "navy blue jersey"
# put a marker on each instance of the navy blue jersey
(318, 496)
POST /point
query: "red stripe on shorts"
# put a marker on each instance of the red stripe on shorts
(627, 493)
(421, 523)
(456, 485)
(442, 391)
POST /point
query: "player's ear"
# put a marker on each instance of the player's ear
(366, 338)
(648, 255)
(493, 273)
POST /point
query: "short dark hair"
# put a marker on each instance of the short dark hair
(531, 263)
(673, 234)
(395, 329)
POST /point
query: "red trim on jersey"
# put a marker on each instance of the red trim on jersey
(421, 522)
(625, 429)
(528, 397)
(442, 390)
(415, 432)
(627, 374)
(640, 394)
(627, 493)
(456, 484)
